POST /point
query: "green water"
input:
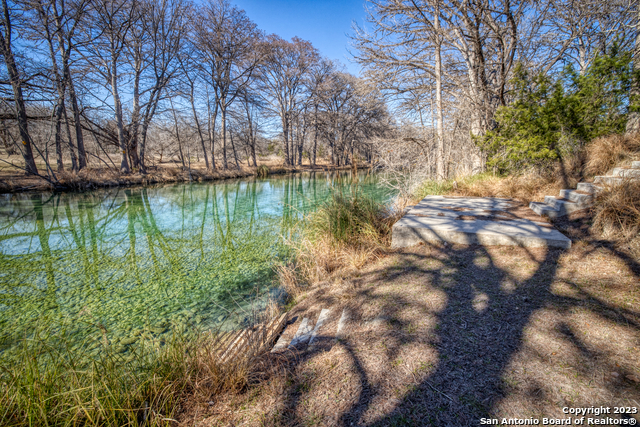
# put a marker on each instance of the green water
(122, 263)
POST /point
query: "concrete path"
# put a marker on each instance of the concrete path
(484, 221)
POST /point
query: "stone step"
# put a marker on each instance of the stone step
(302, 334)
(441, 219)
(564, 207)
(587, 187)
(582, 199)
(626, 173)
(608, 180)
(635, 165)
(307, 333)
(342, 323)
(543, 209)
(324, 315)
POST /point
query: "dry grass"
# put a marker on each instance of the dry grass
(616, 212)
(599, 157)
(528, 187)
(465, 332)
(47, 383)
(288, 279)
(609, 151)
(318, 260)
(48, 380)
(344, 234)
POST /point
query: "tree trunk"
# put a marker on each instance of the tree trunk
(74, 159)
(175, 120)
(252, 139)
(58, 136)
(224, 137)
(212, 131)
(440, 173)
(135, 117)
(285, 136)
(124, 163)
(199, 129)
(633, 119)
(315, 138)
(61, 93)
(16, 86)
(82, 154)
(233, 147)
(253, 151)
(301, 143)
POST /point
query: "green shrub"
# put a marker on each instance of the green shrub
(551, 118)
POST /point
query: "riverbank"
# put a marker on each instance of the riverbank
(95, 177)
(449, 334)
(127, 280)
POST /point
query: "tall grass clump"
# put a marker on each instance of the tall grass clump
(345, 232)
(609, 151)
(616, 211)
(263, 171)
(349, 219)
(49, 380)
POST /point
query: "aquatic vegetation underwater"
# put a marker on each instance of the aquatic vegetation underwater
(107, 290)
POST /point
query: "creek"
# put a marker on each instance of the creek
(120, 263)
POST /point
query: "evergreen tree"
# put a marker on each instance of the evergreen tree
(550, 118)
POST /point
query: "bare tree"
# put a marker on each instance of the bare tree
(153, 47)
(250, 107)
(319, 78)
(190, 76)
(56, 22)
(138, 77)
(352, 112)
(283, 76)
(107, 39)
(229, 43)
(17, 83)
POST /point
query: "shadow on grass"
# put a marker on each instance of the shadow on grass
(479, 332)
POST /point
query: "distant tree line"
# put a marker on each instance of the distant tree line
(90, 81)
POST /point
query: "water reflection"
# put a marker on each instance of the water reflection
(136, 261)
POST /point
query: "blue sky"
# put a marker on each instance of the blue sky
(325, 23)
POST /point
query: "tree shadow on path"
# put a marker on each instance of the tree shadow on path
(478, 334)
